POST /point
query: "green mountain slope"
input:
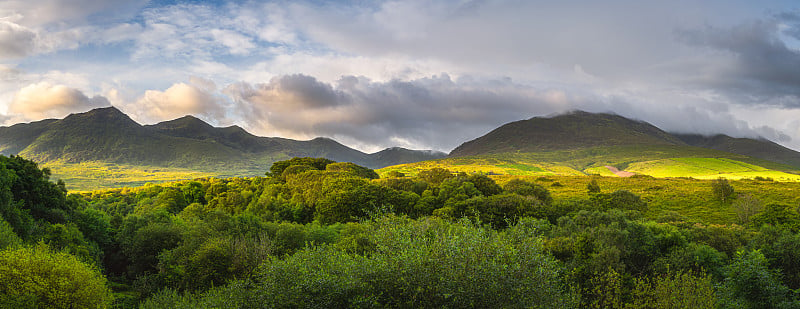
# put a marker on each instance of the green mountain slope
(106, 143)
(575, 130)
(15, 138)
(757, 148)
(581, 143)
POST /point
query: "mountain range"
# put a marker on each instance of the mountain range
(108, 135)
(575, 143)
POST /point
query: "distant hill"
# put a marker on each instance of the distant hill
(574, 130)
(108, 135)
(758, 148)
(581, 130)
(581, 143)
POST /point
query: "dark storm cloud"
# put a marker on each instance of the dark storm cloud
(762, 68)
(792, 22)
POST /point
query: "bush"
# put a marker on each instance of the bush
(747, 206)
(395, 174)
(679, 290)
(749, 283)
(428, 263)
(40, 278)
(525, 188)
(722, 190)
(593, 187)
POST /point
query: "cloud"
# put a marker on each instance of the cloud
(31, 27)
(9, 74)
(184, 31)
(179, 100)
(15, 40)
(757, 68)
(43, 100)
(44, 12)
(434, 112)
(440, 113)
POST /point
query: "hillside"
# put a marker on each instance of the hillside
(575, 130)
(105, 143)
(581, 143)
(758, 148)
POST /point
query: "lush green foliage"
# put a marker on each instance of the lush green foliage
(722, 189)
(37, 277)
(335, 237)
(422, 264)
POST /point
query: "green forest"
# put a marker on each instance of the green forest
(314, 233)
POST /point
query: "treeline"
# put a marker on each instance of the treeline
(316, 233)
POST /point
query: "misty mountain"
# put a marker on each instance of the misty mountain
(758, 148)
(108, 135)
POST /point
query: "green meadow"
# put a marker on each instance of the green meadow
(88, 176)
(651, 160)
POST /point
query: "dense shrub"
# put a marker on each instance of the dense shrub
(40, 278)
(424, 264)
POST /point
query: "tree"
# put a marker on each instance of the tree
(747, 206)
(483, 183)
(44, 199)
(40, 278)
(749, 283)
(27, 195)
(8, 239)
(722, 190)
(435, 175)
(396, 174)
(352, 169)
(593, 187)
(316, 163)
(525, 188)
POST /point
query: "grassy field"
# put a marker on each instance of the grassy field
(657, 161)
(672, 180)
(687, 197)
(707, 168)
(88, 176)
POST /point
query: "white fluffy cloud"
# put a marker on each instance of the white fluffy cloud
(43, 100)
(196, 98)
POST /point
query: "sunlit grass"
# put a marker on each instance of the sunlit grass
(707, 168)
(489, 166)
(688, 197)
(87, 176)
(679, 185)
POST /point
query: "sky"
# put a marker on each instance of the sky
(415, 74)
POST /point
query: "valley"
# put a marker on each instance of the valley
(578, 210)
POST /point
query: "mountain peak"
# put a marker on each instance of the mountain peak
(188, 123)
(109, 111)
(572, 130)
(100, 117)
